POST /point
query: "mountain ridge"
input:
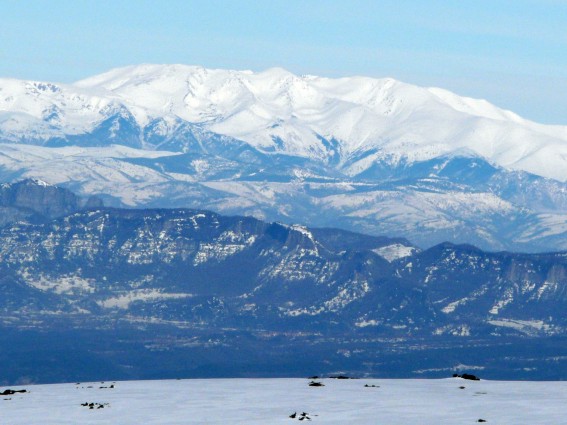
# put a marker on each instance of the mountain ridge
(194, 288)
(367, 155)
(362, 114)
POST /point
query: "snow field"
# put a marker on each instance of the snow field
(272, 401)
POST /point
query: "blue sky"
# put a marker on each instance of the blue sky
(512, 53)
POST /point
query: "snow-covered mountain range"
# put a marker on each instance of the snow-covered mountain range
(373, 155)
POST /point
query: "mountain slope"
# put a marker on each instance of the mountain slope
(458, 199)
(110, 261)
(368, 155)
(277, 111)
(166, 292)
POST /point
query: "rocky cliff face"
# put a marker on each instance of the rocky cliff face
(34, 200)
(178, 264)
(120, 261)
(179, 280)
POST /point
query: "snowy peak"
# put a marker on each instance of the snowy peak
(477, 107)
(35, 112)
(349, 123)
(278, 88)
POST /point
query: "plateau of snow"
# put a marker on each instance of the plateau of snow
(273, 401)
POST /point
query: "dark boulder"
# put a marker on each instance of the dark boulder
(10, 392)
(466, 376)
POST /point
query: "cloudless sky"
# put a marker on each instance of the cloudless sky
(510, 52)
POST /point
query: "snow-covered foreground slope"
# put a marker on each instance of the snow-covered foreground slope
(272, 401)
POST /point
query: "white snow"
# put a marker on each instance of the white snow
(272, 401)
(123, 301)
(449, 308)
(506, 299)
(546, 287)
(40, 182)
(394, 251)
(369, 120)
(452, 306)
(521, 325)
(362, 114)
(67, 284)
(365, 323)
(104, 170)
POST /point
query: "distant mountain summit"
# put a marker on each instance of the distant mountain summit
(349, 122)
(369, 155)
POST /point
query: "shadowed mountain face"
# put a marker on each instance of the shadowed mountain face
(36, 201)
(189, 291)
(181, 264)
